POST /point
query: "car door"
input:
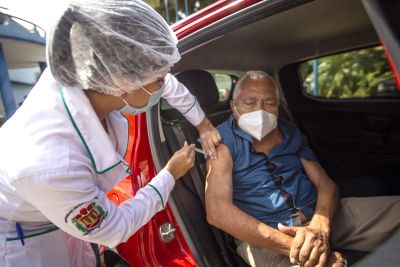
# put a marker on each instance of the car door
(384, 17)
(348, 105)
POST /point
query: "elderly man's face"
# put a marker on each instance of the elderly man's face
(256, 94)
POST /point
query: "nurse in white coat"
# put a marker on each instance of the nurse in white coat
(64, 148)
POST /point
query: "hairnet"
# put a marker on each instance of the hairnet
(110, 46)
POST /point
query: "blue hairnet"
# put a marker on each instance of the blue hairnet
(110, 46)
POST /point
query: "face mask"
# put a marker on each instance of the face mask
(153, 100)
(258, 123)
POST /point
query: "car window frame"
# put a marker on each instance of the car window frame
(343, 100)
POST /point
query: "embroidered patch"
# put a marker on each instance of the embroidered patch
(87, 217)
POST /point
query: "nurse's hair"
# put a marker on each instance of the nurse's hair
(254, 75)
(110, 46)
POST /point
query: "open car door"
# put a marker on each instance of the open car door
(384, 16)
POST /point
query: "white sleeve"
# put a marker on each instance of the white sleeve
(179, 97)
(72, 202)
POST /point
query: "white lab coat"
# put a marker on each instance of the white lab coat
(56, 165)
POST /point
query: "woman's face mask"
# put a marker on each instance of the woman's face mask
(153, 100)
(257, 123)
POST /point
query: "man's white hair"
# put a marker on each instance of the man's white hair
(254, 75)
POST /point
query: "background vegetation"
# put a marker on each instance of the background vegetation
(356, 74)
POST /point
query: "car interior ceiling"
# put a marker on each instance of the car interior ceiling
(311, 30)
(277, 44)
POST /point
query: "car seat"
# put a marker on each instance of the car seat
(178, 129)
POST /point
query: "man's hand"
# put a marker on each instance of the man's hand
(336, 260)
(310, 246)
(209, 136)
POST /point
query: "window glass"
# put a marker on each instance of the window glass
(362, 73)
(224, 85)
(22, 82)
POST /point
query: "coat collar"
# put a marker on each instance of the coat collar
(98, 145)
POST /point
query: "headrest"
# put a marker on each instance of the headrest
(202, 85)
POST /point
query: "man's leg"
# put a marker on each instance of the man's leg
(256, 256)
(363, 223)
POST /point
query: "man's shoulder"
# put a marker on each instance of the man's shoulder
(226, 130)
(289, 128)
(226, 125)
(227, 134)
(295, 141)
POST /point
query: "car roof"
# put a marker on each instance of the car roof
(313, 29)
(208, 15)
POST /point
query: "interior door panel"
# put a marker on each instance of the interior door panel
(356, 141)
(361, 144)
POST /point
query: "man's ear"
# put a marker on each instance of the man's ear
(278, 104)
(232, 104)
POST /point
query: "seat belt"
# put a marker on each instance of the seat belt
(199, 186)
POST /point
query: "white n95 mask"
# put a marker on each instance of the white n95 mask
(257, 123)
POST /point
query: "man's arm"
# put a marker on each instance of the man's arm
(328, 195)
(222, 213)
(311, 243)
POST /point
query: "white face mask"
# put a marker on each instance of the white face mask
(257, 123)
(153, 100)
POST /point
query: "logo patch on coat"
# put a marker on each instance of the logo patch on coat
(87, 216)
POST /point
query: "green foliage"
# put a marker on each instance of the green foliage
(355, 74)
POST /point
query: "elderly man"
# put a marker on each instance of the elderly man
(267, 190)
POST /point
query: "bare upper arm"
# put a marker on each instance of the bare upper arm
(219, 176)
(315, 172)
(222, 212)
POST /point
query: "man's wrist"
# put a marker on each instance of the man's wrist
(322, 223)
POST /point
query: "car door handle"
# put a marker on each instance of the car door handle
(167, 232)
(379, 124)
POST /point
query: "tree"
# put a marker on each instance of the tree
(354, 74)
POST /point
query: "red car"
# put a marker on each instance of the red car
(329, 60)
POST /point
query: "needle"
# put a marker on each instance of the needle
(198, 150)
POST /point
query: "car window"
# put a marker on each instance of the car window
(224, 85)
(363, 73)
